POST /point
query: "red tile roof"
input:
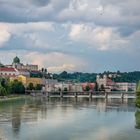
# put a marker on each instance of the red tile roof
(8, 69)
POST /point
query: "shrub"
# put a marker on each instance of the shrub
(3, 91)
(30, 86)
(38, 87)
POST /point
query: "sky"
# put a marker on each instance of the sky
(71, 35)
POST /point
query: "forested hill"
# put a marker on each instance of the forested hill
(91, 77)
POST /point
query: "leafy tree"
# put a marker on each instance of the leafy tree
(17, 87)
(87, 88)
(138, 95)
(65, 90)
(64, 75)
(30, 86)
(138, 89)
(38, 87)
(3, 91)
(137, 118)
(3, 82)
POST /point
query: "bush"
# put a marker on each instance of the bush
(138, 101)
(16, 87)
(3, 91)
(87, 88)
(137, 117)
(30, 86)
(38, 87)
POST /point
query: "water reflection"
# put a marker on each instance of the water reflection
(48, 114)
(16, 121)
(137, 117)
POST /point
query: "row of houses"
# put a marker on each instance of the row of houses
(109, 85)
(22, 73)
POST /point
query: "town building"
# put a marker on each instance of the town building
(104, 81)
(27, 80)
(90, 85)
(109, 85)
(8, 72)
(18, 65)
(125, 86)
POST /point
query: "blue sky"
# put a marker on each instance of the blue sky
(71, 35)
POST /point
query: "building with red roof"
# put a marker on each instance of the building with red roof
(8, 72)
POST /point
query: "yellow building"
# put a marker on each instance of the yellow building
(26, 80)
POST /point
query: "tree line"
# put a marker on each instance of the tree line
(11, 87)
(91, 77)
(8, 87)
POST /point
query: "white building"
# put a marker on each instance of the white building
(50, 84)
(8, 72)
(125, 86)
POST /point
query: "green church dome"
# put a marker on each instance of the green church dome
(16, 60)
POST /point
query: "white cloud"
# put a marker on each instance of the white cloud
(26, 27)
(56, 62)
(27, 31)
(64, 67)
(4, 36)
(102, 38)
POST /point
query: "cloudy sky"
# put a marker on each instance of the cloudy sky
(72, 35)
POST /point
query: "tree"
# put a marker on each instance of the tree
(64, 75)
(137, 118)
(3, 91)
(3, 82)
(138, 89)
(16, 87)
(87, 88)
(30, 86)
(65, 90)
(138, 95)
(38, 87)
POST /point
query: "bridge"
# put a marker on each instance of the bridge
(76, 94)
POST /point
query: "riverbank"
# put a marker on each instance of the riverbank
(12, 97)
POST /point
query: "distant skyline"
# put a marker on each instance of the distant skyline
(71, 35)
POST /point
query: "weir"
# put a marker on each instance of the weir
(90, 94)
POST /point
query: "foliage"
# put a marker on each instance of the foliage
(16, 87)
(137, 117)
(138, 95)
(3, 91)
(87, 88)
(3, 82)
(30, 86)
(36, 74)
(38, 87)
(91, 77)
(138, 89)
(128, 77)
(76, 77)
(65, 89)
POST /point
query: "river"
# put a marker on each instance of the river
(32, 118)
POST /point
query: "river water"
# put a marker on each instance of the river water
(69, 119)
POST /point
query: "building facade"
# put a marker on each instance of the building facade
(8, 72)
